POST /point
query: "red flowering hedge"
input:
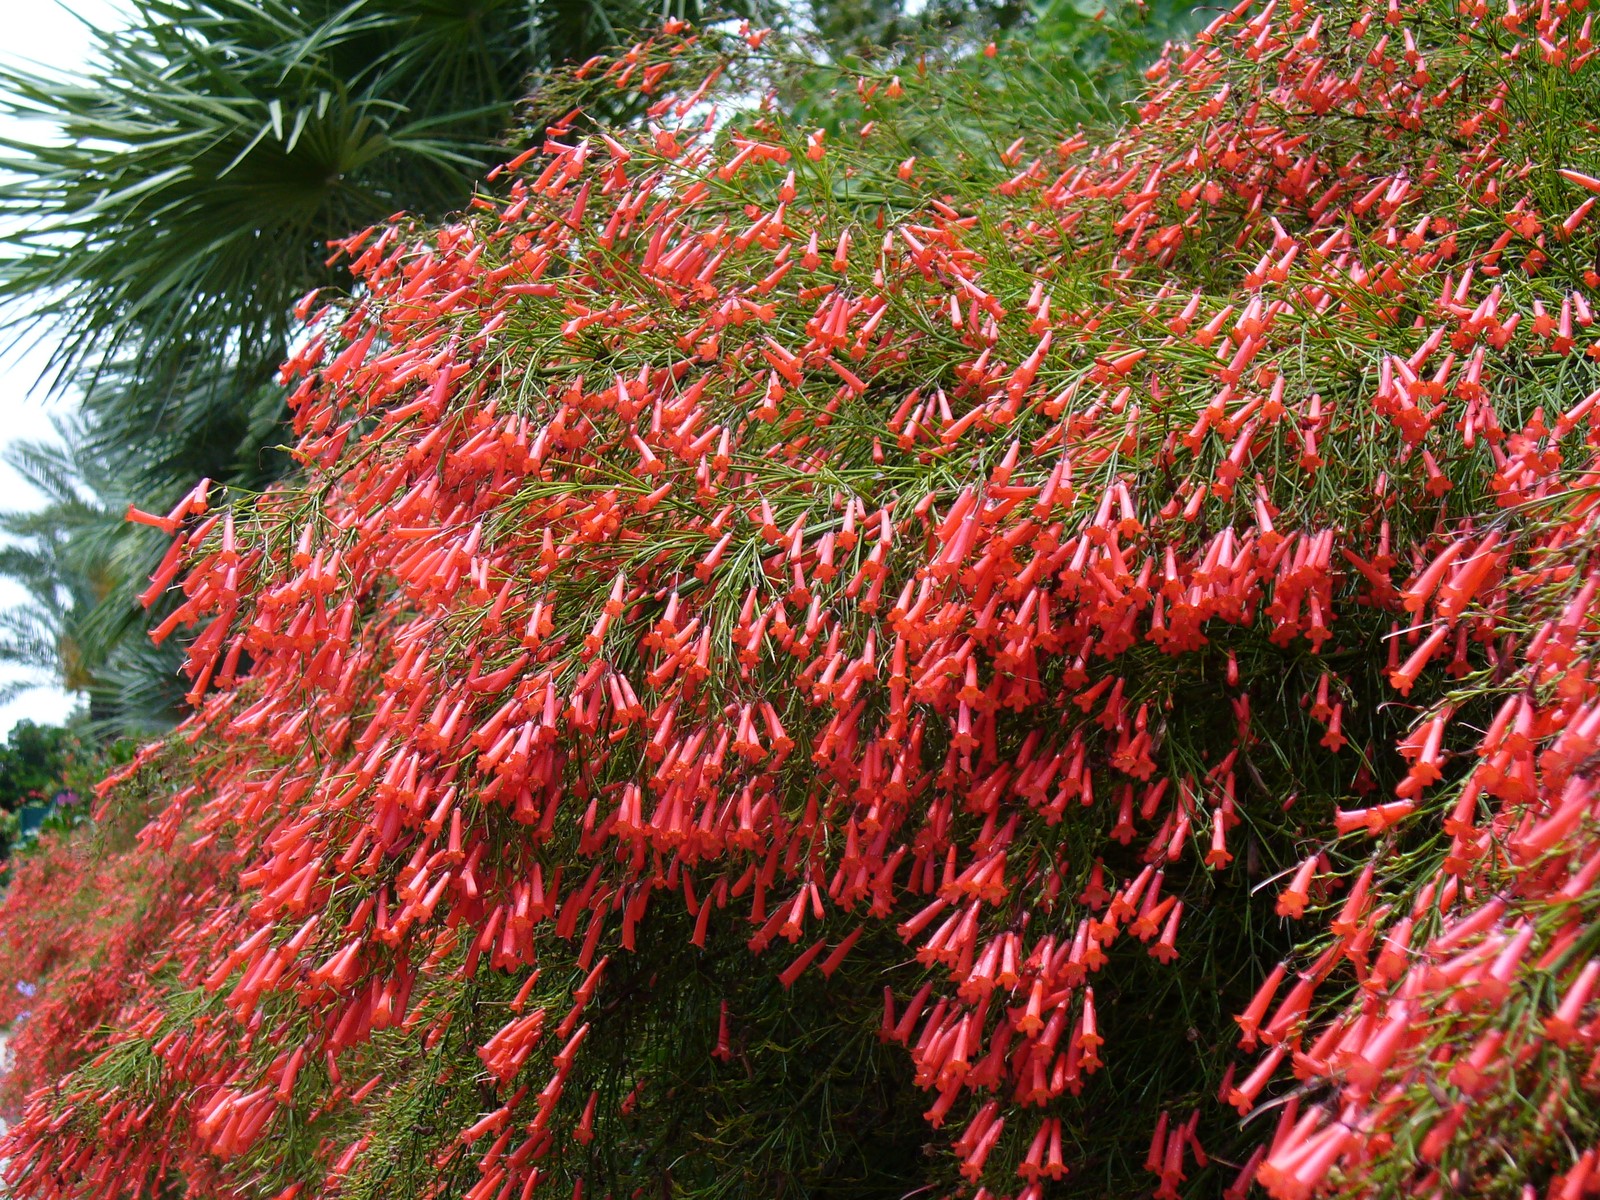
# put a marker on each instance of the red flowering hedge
(849, 663)
(85, 915)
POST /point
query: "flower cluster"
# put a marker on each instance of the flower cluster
(774, 538)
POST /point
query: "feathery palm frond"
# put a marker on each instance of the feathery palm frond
(52, 554)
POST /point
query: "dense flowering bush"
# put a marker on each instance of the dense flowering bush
(843, 661)
(85, 915)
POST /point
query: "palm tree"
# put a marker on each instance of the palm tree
(59, 555)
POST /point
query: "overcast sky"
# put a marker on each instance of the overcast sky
(46, 34)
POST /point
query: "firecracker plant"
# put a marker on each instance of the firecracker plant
(905, 658)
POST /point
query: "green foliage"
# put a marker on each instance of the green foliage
(38, 763)
(33, 762)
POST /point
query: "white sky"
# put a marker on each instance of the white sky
(49, 34)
